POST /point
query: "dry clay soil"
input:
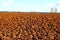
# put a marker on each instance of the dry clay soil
(15, 26)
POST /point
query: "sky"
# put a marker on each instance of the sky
(29, 5)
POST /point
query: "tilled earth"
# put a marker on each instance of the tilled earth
(29, 26)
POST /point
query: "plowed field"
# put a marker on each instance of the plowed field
(15, 26)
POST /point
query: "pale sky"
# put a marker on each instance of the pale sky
(29, 5)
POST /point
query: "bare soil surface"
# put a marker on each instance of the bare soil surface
(15, 26)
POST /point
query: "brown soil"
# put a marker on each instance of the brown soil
(29, 26)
